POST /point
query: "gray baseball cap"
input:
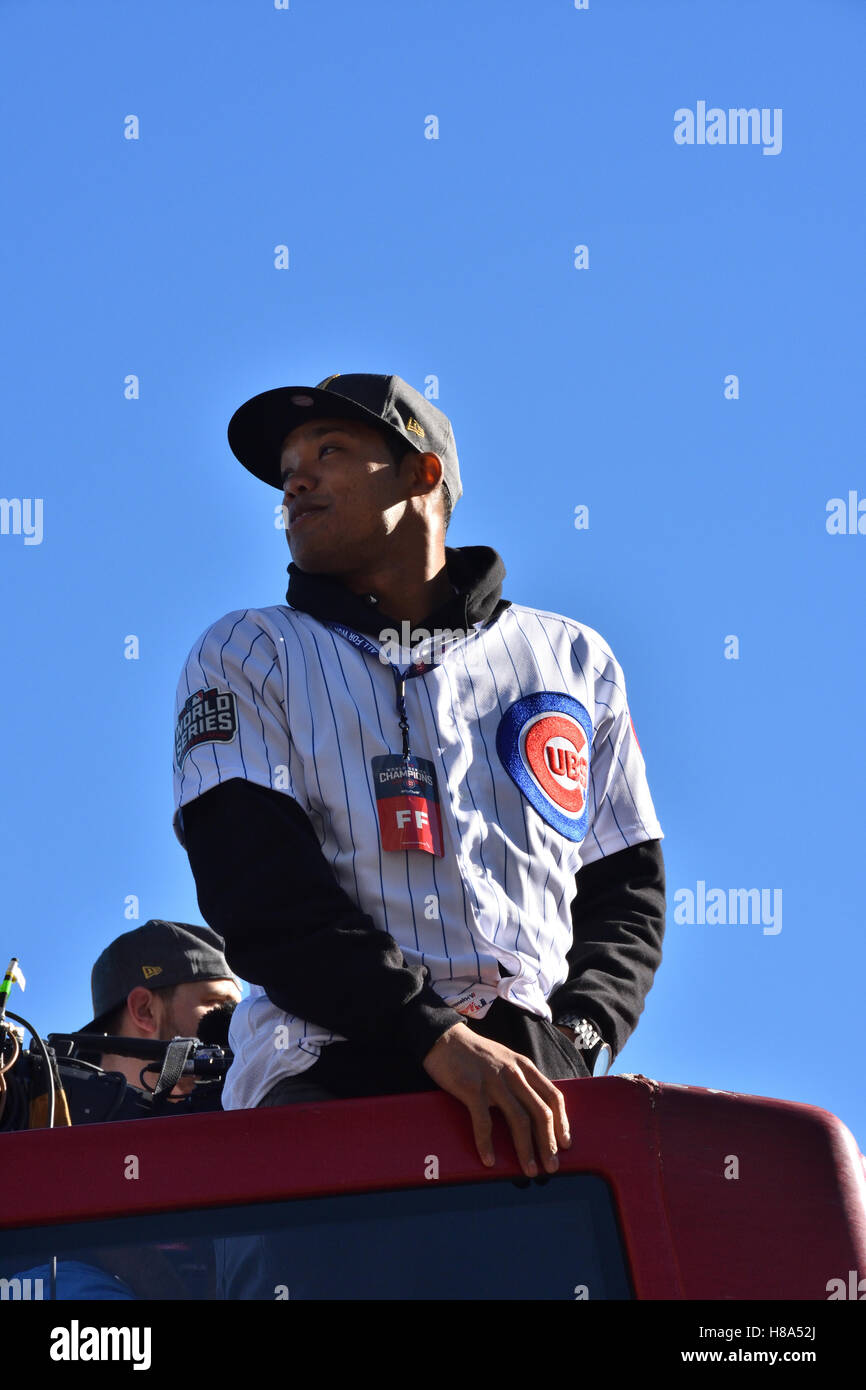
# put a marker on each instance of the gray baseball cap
(258, 427)
(154, 955)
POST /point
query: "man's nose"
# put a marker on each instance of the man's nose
(299, 482)
(301, 477)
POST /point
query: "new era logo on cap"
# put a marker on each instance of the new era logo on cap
(186, 953)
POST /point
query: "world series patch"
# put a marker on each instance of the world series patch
(208, 716)
(544, 743)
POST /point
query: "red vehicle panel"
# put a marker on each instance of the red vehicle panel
(717, 1196)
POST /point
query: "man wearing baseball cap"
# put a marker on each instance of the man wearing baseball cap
(458, 914)
(157, 982)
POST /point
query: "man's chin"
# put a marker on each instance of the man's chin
(312, 562)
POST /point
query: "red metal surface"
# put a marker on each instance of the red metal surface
(794, 1218)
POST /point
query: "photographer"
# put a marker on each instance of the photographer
(157, 982)
(154, 983)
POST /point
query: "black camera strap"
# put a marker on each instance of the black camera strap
(176, 1055)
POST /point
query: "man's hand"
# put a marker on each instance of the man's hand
(566, 1031)
(484, 1074)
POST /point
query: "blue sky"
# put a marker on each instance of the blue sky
(604, 387)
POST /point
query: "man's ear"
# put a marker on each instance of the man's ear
(141, 1007)
(428, 469)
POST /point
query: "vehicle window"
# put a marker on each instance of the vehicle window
(553, 1239)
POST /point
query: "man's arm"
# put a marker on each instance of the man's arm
(264, 884)
(618, 917)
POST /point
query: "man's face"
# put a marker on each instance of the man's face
(181, 1015)
(342, 493)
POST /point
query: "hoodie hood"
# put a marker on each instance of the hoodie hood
(476, 573)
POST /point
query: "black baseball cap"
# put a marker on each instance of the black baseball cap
(258, 427)
(155, 955)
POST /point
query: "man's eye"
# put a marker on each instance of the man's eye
(289, 474)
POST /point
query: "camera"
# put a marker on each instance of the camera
(66, 1066)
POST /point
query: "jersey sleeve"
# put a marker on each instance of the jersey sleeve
(230, 718)
(621, 807)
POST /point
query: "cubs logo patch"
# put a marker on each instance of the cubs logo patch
(208, 716)
(544, 743)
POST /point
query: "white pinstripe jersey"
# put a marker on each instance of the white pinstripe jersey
(539, 772)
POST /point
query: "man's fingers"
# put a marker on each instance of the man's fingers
(553, 1098)
(530, 1121)
(520, 1122)
(482, 1128)
(540, 1118)
(484, 1074)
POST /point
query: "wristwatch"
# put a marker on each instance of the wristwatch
(588, 1040)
